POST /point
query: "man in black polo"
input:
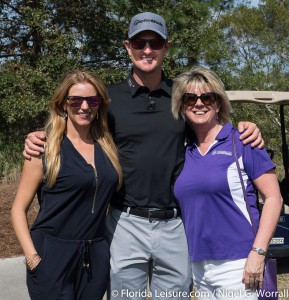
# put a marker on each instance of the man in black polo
(145, 230)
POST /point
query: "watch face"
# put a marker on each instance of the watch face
(259, 251)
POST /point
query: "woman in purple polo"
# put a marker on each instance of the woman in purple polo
(227, 259)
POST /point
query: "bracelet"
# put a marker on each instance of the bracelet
(32, 261)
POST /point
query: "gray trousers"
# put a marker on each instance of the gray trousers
(142, 253)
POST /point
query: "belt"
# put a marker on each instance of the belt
(150, 213)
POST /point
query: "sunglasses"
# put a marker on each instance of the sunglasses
(76, 101)
(190, 99)
(154, 44)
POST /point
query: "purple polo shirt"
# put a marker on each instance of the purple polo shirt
(210, 196)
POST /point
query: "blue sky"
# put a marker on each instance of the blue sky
(253, 2)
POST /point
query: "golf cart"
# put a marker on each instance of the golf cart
(279, 245)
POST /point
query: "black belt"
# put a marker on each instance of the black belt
(150, 213)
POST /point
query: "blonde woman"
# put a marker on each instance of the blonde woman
(227, 259)
(66, 254)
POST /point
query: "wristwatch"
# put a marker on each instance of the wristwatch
(260, 251)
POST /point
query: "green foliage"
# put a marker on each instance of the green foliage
(251, 44)
(25, 91)
(41, 39)
(10, 160)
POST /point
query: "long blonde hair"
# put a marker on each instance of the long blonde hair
(56, 124)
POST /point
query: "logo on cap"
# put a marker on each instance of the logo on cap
(147, 20)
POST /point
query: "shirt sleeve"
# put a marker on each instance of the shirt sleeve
(256, 161)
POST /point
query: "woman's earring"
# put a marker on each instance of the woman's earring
(65, 115)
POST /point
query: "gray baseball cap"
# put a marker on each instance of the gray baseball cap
(147, 21)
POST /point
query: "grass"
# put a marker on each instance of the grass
(11, 160)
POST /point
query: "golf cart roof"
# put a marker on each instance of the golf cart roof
(265, 97)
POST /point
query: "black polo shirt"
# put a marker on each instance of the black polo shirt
(150, 143)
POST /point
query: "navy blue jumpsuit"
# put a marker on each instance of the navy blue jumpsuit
(68, 232)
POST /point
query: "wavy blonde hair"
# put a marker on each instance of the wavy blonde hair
(203, 77)
(56, 124)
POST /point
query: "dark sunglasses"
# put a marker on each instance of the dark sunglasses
(76, 101)
(154, 44)
(191, 99)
